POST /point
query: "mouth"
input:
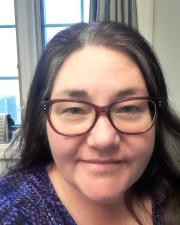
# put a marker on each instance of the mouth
(98, 161)
(102, 165)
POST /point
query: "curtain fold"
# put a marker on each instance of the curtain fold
(124, 11)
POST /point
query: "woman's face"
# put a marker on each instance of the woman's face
(103, 164)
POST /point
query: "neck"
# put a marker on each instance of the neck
(86, 211)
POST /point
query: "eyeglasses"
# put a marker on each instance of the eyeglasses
(135, 115)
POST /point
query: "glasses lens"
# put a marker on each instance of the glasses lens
(71, 118)
(133, 116)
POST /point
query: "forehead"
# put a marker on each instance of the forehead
(97, 69)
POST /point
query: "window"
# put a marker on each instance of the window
(9, 78)
(58, 15)
(25, 27)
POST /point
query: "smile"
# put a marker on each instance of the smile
(102, 165)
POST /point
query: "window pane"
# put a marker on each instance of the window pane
(86, 10)
(8, 53)
(51, 31)
(9, 100)
(66, 11)
(7, 12)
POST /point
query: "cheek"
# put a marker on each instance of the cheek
(64, 149)
(139, 151)
(140, 147)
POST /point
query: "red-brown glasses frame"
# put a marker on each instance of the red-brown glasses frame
(99, 110)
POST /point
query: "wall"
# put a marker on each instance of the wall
(166, 41)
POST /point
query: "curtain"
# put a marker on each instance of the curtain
(123, 11)
(145, 17)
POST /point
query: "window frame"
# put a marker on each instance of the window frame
(28, 33)
(55, 25)
(11, 77)
(29, 24)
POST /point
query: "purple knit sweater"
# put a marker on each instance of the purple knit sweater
(28, 198)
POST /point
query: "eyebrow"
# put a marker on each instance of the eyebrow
(82, 94)
(128, 92)
(74, 93)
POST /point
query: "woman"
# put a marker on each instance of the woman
(99, 142)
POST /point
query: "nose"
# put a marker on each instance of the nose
(103, 136)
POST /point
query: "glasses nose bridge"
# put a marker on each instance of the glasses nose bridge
(102, 110)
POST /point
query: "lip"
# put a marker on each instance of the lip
(102, 165)
(98, 161)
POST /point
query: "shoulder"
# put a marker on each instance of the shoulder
(18, 194)
(28, 197)
(20, 183)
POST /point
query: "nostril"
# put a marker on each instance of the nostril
(103, 143)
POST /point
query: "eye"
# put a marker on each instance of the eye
(128, 109)
(74, 111)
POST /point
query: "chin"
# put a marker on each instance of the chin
(104, 200)
(102, 190)
(102, 197)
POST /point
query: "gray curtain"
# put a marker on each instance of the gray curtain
(124, 11)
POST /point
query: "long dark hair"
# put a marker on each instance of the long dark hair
(161, 177)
